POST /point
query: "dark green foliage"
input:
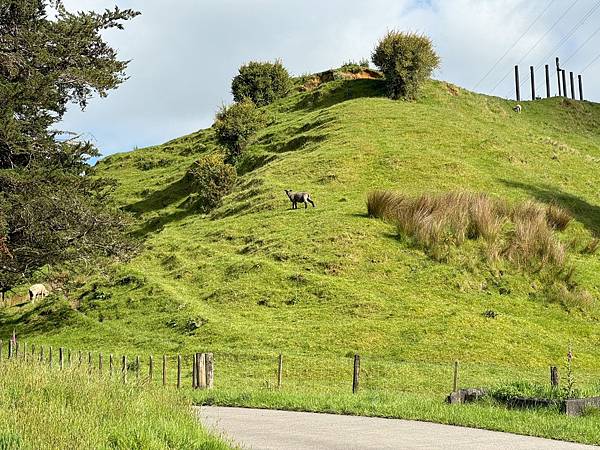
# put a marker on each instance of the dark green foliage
(406, 60)
(51, 211)
(54, 218)
(210, 179)
(262, 82)
(235, 127)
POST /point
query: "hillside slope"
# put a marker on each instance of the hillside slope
(255, 277)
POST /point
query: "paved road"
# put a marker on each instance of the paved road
(283, 430)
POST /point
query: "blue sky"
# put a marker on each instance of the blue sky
(185, 52)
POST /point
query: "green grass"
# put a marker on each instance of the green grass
(44, 408)
(255, 278)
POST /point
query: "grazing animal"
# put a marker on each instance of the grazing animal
(517, 109)
(299, 197)
(37, 290)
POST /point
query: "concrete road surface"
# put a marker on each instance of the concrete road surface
(283, 430)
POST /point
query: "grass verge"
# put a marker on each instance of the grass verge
(43, 408)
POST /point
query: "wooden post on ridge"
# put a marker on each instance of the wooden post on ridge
(356, 373)
(517, 86)
(532, 75)
(564, 83)
(558, 76)
(547, 70)
(455, 379)
(580, 87)
(280, 371)
(572, 85)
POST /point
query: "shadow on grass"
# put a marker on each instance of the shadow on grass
(161, 199)
(584, 212)
(47, 317)
(328, 95)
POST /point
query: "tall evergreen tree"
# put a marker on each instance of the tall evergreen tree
(52, 210)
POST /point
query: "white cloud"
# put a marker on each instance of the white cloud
(185, 52)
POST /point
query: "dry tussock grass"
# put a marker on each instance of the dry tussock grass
(523, 233)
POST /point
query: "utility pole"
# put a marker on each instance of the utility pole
(547, 81)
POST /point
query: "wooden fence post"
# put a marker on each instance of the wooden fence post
(580, 87)
(194, 371)
(517, 85)
(201, 367)
(164, 370)
(178, 371)
(455, 379)
(41, 353)
(69, 357)
(100, 363)
(137, 369)
(124, 369)
(564, 83)
(532, 75)
(356, 373)
(90, 363)
(554, 379)
(280, 371)
(572, 85)
(61, 357)
(16, 349)
(150, 368)
(209, 370)
(111, 365)
(10, 348)
(547, 81)
(558, 76)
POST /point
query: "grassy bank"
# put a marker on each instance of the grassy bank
(43, 408)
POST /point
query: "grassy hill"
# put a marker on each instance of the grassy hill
(255, 278)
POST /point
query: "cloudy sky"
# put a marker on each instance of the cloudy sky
(185, 52)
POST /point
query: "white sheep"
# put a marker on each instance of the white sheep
(517, 109)
(37, 290)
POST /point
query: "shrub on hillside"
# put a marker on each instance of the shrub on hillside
(262, 82)
(210, 179)
(236, 125)
(406, 60)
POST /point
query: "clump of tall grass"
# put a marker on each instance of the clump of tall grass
(523, 233)
(46, 408)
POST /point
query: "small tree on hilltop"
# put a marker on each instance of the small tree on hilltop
(236, 125)
(211, 179)
(262, 82)
(406, 60)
